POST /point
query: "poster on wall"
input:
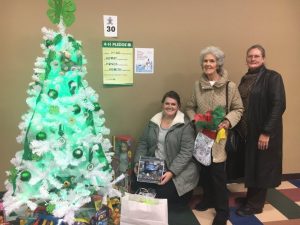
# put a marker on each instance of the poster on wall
(144, 60)
(117, 62)
(110, 26)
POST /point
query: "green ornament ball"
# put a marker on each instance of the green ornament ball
(48, 43)
(97, 106)
(77, 153)
(41, 136)
(76, 109)
(25, 175)
(52, 93)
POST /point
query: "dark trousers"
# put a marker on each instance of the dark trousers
(213, 181)
(256, 197)
(167, 191)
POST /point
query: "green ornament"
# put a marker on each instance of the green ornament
(72, 87)
(76, 109)
(41, 136)
(52, 93)
(48, 43)
(61, 9)
(77, 153)
(97, 106)
(25, 175)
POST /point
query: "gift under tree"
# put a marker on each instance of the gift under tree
(65, 157)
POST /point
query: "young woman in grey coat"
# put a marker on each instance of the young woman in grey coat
(170, 137)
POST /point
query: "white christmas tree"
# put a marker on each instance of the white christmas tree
(65, 157)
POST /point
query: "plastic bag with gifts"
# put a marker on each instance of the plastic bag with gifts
(137, 210)
(202, 149)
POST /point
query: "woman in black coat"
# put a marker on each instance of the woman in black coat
(263, 95)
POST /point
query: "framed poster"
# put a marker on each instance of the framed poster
(144, 60)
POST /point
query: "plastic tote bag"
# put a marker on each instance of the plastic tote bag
(202, 149)
(142, 210)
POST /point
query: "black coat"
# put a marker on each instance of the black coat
(263, 168)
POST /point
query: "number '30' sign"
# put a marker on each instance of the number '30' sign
(110, 26)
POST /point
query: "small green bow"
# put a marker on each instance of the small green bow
(61, 9)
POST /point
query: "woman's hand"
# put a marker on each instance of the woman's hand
(263, 142)
(167, 176)
(224, 124)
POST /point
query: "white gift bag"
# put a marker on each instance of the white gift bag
(142, 210)
(202, 149)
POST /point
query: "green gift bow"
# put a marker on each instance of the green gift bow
(61, 9)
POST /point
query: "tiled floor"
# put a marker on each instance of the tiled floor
(282, 207)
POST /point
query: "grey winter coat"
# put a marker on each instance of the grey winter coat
(179, 145)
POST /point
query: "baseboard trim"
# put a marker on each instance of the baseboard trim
(290, 176)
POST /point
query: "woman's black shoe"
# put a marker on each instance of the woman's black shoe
(219, 220)
(240, 201)
(247, 211)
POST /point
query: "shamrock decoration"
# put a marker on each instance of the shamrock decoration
(61, 9)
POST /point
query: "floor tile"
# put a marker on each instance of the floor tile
(284, 222)
(205, 217)
(293, 194)
(296, 182)
(236, 187)
(286, 185)
(270, 214)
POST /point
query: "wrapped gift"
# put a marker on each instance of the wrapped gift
(101, 217)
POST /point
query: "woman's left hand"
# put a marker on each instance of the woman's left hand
(167, 176)
(224, 124)
(263, 142)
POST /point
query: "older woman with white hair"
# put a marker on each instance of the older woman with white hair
(209, 92)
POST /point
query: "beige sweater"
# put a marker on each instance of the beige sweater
(206, 97)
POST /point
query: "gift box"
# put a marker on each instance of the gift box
(122, 160)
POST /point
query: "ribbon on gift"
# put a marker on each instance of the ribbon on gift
(210, 120)
(210, 133)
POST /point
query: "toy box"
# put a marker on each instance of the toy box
(122, 160)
